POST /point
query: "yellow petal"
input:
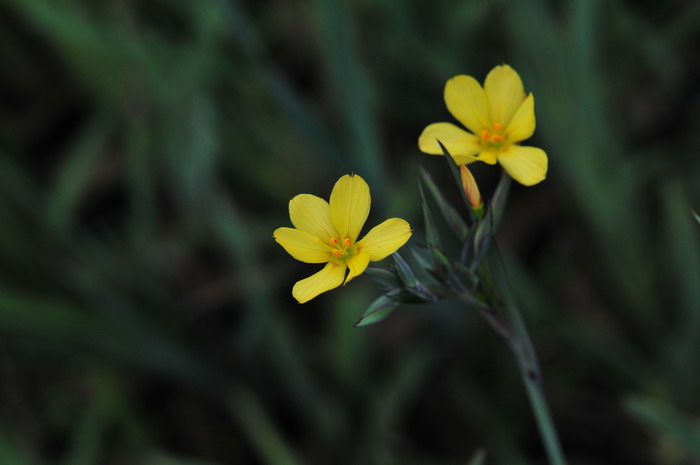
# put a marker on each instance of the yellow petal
(330, 277)
(312, 215)
(522, 125)
(357, 264)
(461, 144)
(303, 246)
(487, 156)
(467, 102)
(527, 165)
(505, 93)
(385, 238)
(349, 206)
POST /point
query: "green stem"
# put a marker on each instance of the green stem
(520, 343)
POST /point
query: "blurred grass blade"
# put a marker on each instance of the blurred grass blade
(10, 454)
(264, 436)
(75, 174)
(665, 420)
(289, 100)
(452, 217)
(87, 437)
(353, 90)
(479, 458)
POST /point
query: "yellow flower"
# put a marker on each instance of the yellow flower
(327, 233)
(497, 115)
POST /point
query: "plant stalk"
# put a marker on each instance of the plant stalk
(520, 343)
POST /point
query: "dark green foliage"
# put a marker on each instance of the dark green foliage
(149, 148)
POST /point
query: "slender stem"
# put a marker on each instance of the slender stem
(521, 345)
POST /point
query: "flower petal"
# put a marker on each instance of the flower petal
(349, 206)
(357, 264)
(466, 100)
(330, 277)
(312, 215)
(487, 156)
(385, 238)
(527, 165)
(303, 246)
(505, 93)
(522, 125)
(461, 144)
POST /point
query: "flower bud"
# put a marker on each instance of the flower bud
(471, 189)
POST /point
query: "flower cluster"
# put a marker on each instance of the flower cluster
(497, 116)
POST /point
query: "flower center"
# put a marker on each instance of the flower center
(494, 138)
(341, 249)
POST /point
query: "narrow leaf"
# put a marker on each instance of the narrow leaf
(379, 310)
(452, 217)
(431, 232)
(498, 201)
(424, 257)
(423, 293)
(405, 273)
(484, 235)
(383, 276)
(454, 169)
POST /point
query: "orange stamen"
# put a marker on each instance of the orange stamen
(337, 253)
(347, 242)
(497, 126)
(333, 242)
(485, 134)
(497, 138)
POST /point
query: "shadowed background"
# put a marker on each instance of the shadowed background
(149, 148)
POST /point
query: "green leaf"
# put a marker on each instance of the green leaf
(454, 169)
(441, 258)
(484, 236)
(431, 232)
(383, 276)
(379, 310)
(423, 293)
(498, 201)
(452, 217)
(405, 272)
(424, 257)
(697, 217)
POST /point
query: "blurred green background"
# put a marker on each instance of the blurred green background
(148, 149)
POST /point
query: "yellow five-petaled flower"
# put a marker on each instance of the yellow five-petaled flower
(497, 115)
(326, 232)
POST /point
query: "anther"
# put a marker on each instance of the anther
(333, 242)
(337, 253)
(347, 242)
(497, 138)
(497, 126)
(485, 134)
